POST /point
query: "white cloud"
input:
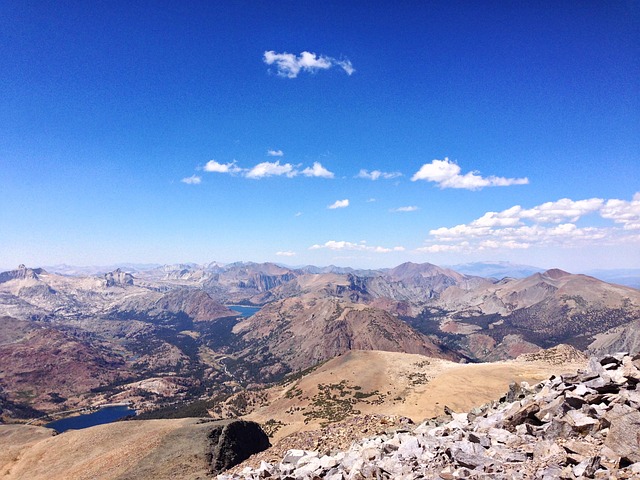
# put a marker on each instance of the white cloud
(269, 169)
(359, 247)
(623, 212)
(376, 174)
(411, 208)
(568, 235)
(346, 65)
(562, 210)
(213, 166)
(440, 248)
(310, 61)
(506, 218)
(317, 171)
(192, 180)
(508, 244)
(289, 65)
(548, 224)
(550, 212)
(287, 253)
(298, 214)
(447, 175)
(275, 153)
(339, 204)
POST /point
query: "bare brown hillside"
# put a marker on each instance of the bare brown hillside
(134, 450)
(391, 383)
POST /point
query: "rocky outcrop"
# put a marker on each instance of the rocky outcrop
(118, 278)
(233, 442)
(263, 282)
(558, 355)
(584, 425)
(21, 273)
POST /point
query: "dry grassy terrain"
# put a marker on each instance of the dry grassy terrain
(415, 386)
(158, 449)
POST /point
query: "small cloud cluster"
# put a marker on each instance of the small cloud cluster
(317, 171)
(358, 247)
(192, 180)
(213, 166)
(270, 169)
(548, 224)
(265, 169)
(339, 204)
(286, 253)
(446, 174)
(411, 208)
(290, 65)
(376, 174)
(443, 172)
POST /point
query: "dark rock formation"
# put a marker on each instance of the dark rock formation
(233, 442)
(262, 282)
(118, 278)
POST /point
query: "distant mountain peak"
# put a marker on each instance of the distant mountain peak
(410, 269)
(21, 273)
(556, 273)
(424, 265)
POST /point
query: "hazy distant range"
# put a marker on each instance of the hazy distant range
(496, 269)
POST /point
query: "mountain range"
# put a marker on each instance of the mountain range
(490, 269)
(166, 335)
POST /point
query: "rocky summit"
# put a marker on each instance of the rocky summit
(584, 425)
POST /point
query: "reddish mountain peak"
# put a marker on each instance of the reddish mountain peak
(556, 273)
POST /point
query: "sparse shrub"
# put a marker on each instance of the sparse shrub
(272, 426)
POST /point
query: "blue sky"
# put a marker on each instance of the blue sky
(201, 131)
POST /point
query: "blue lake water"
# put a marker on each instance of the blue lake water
(102, 416)
(244, 310)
